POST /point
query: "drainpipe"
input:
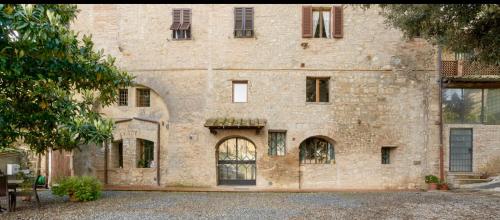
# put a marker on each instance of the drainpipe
(105, 162)
(441, 147)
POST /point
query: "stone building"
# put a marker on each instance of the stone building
(271, 96)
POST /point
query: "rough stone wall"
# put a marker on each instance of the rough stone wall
(383, 91)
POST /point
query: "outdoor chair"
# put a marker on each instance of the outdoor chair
(14, 194)
(3, 189)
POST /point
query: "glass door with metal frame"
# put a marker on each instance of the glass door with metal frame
(236, 162)
(461, 149)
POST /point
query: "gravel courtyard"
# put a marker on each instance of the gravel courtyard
(243, 205)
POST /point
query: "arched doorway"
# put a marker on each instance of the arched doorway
(236, 162)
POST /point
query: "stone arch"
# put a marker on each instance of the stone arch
(156, 86)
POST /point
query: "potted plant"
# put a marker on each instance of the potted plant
(78, 188)
(443, 186)
(27, 184)
(432, 181)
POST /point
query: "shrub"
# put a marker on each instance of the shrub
(431, 179)
(83, 188)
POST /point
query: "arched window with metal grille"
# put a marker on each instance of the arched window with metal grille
(315, 150)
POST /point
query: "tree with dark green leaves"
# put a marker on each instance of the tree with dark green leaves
(51, 82)
(472, 29)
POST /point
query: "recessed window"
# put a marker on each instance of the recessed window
(123, 97)
(317, 89)
(243, 22)
(276, 143)
(316, 151)
(386, 155)
(145, 153)
(143, 98)
(240, 91)
(181, 24)
(117, 154)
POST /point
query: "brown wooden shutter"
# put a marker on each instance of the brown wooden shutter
(186, 19)
(337, 22)
(176, 19)
(307, 21)
(248, 19)
(238, 19)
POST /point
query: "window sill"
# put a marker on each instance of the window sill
(252, 37)
(318, 103)
(186, 39)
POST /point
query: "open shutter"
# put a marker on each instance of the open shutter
(176, 19)
(337, 22)
(186, 19)
(307, 22)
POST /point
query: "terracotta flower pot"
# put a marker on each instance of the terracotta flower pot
(444, 187)
(26, 198)
(432, 186)
(72, 197)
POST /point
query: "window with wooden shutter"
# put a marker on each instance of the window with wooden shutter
(176, 20)
(243, 22)
(307, 22)
(181, 24)
(338, 22)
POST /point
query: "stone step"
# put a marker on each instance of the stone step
(464, 176)
(470, 181)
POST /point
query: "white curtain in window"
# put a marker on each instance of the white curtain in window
(315, 21)
(326, 19)
(240, 92)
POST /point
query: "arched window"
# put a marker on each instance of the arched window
(316, 150)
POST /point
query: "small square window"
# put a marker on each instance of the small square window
(317, 89)
(276, 143)
(123, 97)
(386, 155)
(143, 98)
(240, 91)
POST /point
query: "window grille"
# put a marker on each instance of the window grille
(123, 97)
(143, 98)
(316, 151)
(276, 143)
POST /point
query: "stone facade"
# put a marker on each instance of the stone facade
(383, 92)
